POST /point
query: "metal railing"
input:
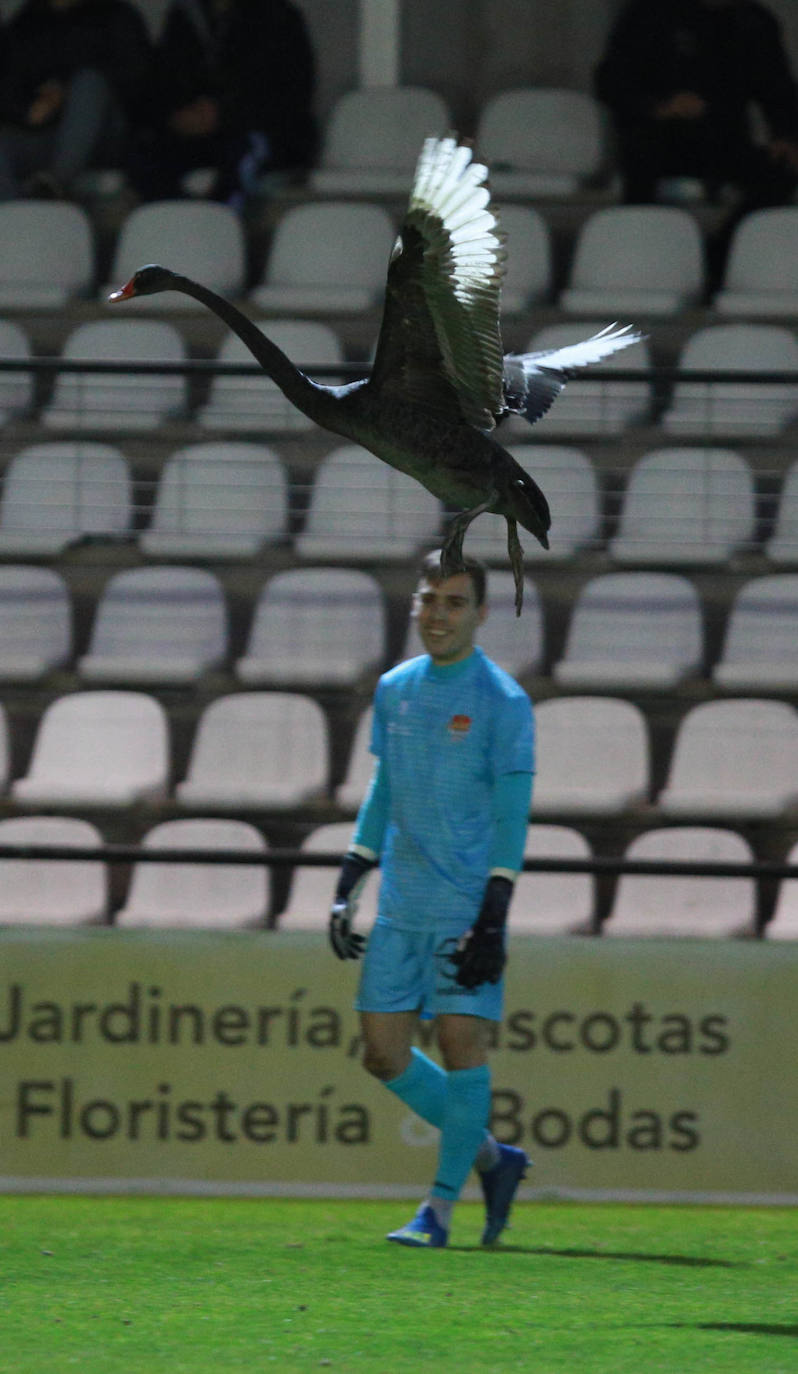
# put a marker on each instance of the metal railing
(603, 866)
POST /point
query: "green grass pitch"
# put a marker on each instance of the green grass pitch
(190, 1286)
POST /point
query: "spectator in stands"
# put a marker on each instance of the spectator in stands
(236, 82)
(74, 76)
(679, 77)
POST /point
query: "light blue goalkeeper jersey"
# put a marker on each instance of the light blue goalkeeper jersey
(446, 735)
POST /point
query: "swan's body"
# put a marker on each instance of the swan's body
(440, 381)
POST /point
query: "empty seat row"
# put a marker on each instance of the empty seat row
(317, 627)
(231, 499)
(729, 759)
(325, 627)
(642, 261)
(231, 895)
(373, 136)
(213, 500)
(644, 631)
(112, 749)
(270, 750)
(564, 903)
(136, 399)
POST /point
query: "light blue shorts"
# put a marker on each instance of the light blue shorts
(409, 970)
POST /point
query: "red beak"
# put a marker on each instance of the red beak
(124, 293)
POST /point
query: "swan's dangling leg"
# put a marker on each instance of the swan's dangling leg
(452, 549)
(516, 561)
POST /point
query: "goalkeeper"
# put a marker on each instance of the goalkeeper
(446, 817)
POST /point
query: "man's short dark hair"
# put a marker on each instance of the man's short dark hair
(431, 570)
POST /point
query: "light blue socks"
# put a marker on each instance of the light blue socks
(422, 1087)
(465, 1116)
(458, 1103)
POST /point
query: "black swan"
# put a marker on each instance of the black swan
(440, 381)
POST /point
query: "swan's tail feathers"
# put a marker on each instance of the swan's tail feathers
(533, 381)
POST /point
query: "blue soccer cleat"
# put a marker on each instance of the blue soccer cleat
(424, 1231)
(499, 1186)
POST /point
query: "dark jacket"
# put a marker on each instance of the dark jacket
(256, 60)
(732, 55)
(42, 44)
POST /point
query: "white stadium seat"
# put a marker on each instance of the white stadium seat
(46, 254)
(312, 888)
(257, 750)
(361, 508)
(753, 410)
(350, 793)
(315, 627)
(201, 239)
(686, 506)
(240, 404)
(224, 499)
(108, 749)
(553, 903)
(782, 547)
(35, 622)
(37, 892)
(634, 631)
(529, 267)
(761, 275)
(327, 257)
(734, 760)
(128, 400)
(165, 624)
(695, 906)
(211, 896)
(540, 141)
(760, 649)
(55, 494)
(373, 137)
(592, 756)
(783, 925)
(634, 261)
(16, 388)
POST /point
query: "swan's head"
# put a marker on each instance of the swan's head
(146, 282)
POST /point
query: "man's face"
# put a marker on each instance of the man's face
(447, 616)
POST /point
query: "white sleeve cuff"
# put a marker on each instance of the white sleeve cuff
(364, 852)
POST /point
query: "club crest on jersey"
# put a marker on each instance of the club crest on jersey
(459, 727)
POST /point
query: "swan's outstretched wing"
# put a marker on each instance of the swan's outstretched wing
(532, 381)
(440, 343)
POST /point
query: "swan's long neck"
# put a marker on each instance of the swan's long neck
(306, 395)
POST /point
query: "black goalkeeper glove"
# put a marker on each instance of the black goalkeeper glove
(354, 871)
(480, 955)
